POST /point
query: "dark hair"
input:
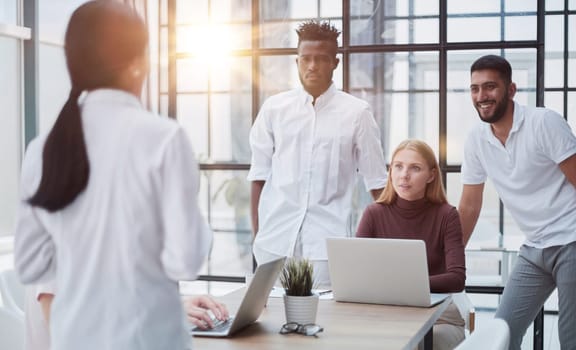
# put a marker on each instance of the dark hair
(313, 30)
(102, 39)
(496, 63)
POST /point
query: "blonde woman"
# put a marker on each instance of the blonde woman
(413, 205)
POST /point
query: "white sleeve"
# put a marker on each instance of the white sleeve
(187, 238)
(555, 138)
(262, 146)
(473, 172)
(45, 288)
(34, 252)
(368, 150)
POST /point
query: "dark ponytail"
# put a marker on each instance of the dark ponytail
(102, 40)
(65, 166)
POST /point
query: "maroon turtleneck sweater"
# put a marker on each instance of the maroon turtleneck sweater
(438, 225)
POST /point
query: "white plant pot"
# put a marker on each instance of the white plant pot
(301, 310)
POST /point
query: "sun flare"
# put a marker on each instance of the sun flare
(211, 42)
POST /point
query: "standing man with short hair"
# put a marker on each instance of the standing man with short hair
(308, 145)
(530, 156)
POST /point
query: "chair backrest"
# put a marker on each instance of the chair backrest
(13, 292)
(466, 309)
(492, 334)
(11, 330)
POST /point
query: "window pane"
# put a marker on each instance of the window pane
(191, 11)
(192, 111)
(572, 4)
(554, 52)
(330, 8)
(231, 10)
(192, 75)
(225, 201)
(486, 233)
(374, 23)
(513, 237)
(53, 18)
(419, 7)
(278, 34)
(163, 9)
(521, 5)
(230, 122)
(520, 28)
(395, 31)
(572, 110)
(163, 105)
(229, 73)
(163, 60)
(473, 6)
(402, 90)
(227, 90)
(212, 41)
(555, 5)
(425, 7)
(554, 100)
(277, 74)
(281, 10)
(9, 11)
(53, 85)
(461, 115)
(571, 51)
(474, 29)
(10, 100)
(481, 20)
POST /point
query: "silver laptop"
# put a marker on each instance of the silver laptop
(380, 271)
(252, 303)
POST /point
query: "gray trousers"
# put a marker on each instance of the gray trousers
(535, 276)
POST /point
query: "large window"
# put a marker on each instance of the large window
(11, 102)
(12, 35)
(220, 59)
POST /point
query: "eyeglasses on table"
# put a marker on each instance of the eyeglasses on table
(304, 329)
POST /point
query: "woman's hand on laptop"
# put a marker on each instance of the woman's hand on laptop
(203, 311)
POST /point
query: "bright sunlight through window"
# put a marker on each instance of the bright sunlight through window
(210, 43)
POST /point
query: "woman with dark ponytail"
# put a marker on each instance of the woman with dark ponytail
(109, 198)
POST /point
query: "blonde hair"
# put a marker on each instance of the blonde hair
(434, 190)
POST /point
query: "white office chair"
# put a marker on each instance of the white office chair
(493, 334)
(466, 309)
(11, 330)
(13, 292)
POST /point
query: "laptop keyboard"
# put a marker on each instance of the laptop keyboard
(221, 325)
(218, 326)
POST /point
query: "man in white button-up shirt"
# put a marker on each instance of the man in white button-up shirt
(308, 145)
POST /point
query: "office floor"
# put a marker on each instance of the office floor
(484, 304)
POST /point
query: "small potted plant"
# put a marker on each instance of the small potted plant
(300, 303)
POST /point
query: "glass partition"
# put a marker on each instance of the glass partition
(10, 130)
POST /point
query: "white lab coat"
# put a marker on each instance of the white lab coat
(120, 248)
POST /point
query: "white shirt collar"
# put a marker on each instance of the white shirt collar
(517, 121)
(109, 96)
(307, 98)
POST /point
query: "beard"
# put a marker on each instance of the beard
(499, 111)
